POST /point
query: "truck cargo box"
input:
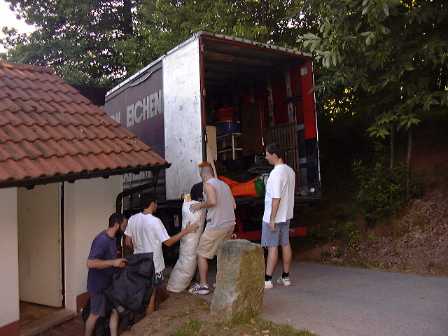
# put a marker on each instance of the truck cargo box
(222, 99)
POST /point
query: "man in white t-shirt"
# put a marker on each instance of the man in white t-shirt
(145, 233)
(278, 211)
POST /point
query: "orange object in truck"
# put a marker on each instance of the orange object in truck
(228, 181)
(241, 189)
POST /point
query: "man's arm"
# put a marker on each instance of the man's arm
(274, 210)
(174, 239)
(128, 241)
(211, 199)
(102, 264)
(278, 186)
(95, 259)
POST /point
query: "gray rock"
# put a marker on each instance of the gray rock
(239, 281)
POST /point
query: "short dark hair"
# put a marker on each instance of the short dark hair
(147, 199)
(197, 192)
(273, 148)
(115, 218)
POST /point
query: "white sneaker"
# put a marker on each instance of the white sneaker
(198, 289)
(268, 284)
(284, 281)
(194, 287)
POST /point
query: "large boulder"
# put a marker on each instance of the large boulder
(240, 281)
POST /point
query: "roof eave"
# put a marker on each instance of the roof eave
(71, 177)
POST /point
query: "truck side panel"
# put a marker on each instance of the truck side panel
(138, 106)
(182, 118)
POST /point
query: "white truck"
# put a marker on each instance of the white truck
(221, 99)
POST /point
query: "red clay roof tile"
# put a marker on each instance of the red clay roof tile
(48, 129)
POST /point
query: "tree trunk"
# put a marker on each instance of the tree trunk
(408, 164)
(128, 28)
(392, 146)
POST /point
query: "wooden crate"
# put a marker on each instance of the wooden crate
(285, 136)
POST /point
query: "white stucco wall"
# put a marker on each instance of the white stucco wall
(87, 207)
(9, 289)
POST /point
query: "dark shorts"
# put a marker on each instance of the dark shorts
(98, 303)
(279, 237)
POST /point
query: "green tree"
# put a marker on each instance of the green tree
(77, 38)
(98, 42)
(163, 24)
(391, 54)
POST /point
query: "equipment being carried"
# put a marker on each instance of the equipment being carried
(185, 267)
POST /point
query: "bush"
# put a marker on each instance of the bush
(381, 190)
(350, 234)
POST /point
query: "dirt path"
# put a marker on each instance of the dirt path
(173, 313)
(187, 315)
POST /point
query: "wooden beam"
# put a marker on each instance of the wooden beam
(228, 58)
(233, 76)
(240, 68)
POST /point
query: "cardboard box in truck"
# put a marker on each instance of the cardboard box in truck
(245, 93)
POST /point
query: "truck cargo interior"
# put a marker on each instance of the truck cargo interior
(255, 96)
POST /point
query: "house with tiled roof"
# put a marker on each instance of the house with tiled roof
(61, 165)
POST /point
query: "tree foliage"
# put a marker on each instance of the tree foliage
(102, 41)
(77, 38)
(163, 24)
(385, 59)
(391, 54)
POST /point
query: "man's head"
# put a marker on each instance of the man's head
(197, 192)
(149, 203)
(274, 154)
(206, 171)
(123, 225)
(116, 221)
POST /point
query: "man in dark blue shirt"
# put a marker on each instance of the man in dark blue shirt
(101, 263)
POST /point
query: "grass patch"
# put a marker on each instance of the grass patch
(253, 327)
(191, 327)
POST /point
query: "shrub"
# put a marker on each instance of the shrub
(381, 190)
(350, 234)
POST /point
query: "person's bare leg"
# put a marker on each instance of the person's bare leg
(113, 323)
(162, 296)
(286, 258)
(90, 324)
(203, 270)
(152, 303)
(272, 260)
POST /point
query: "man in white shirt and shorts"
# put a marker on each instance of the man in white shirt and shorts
(145, 233)
(278, 211)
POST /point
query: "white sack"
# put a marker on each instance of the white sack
(185, 267)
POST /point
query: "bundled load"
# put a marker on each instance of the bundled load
(185, 268)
